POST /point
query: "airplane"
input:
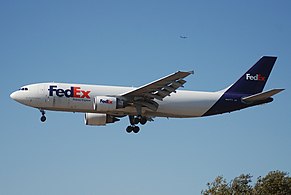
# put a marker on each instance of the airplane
(161, 98)
(183, 37)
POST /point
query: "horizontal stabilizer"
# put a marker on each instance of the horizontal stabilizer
(261, 96)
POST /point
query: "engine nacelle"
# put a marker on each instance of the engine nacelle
(99, 119)
(106, 103)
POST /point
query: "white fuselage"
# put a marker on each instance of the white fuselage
(180, 104)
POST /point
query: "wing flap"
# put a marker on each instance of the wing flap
(153, 96)
(261, 96)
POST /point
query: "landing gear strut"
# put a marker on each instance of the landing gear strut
(42, 118)
(133, 122)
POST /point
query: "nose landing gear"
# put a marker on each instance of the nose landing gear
(42, 118)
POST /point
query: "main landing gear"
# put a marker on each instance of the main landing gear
(42, 118)
(133, 122)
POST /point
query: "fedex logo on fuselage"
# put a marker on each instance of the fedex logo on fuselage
(75, 92)
(257, 77)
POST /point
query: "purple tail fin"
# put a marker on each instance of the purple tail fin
(254, 80)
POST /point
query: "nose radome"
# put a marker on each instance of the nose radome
(13, 95)
(16, 96)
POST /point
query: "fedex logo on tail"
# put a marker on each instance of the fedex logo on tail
(75, 92)
(257, 77)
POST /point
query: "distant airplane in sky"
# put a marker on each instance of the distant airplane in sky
(183, 37)
(106, 104)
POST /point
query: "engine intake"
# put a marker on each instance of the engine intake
(106, 103)
(98, 119)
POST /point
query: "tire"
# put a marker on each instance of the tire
(136, 120)
(136, 129)
(43, 119)
(143, 120)
(129, 129)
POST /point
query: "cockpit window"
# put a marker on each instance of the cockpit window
(24, 89)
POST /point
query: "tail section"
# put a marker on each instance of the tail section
(247, 91)
(254, 80)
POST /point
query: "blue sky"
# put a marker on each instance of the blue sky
(131, 43)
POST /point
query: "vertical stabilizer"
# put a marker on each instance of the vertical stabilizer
(254, 80)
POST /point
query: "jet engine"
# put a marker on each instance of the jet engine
(106, 103)
(98, 119)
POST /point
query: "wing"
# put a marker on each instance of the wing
(156, 90)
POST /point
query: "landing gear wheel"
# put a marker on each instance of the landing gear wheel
(136, 120)
(43, 118)
(129, 129)
(143, 120)
(133, 122)
(136, 129)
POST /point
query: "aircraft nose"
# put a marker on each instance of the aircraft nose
(15, 96)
